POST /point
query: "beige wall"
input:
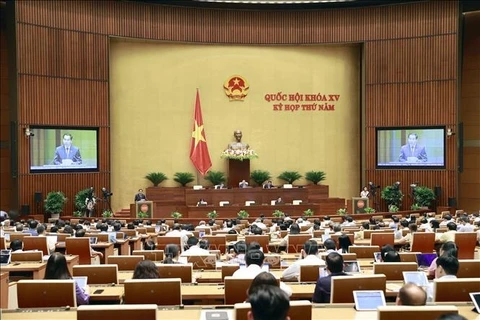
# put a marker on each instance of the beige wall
(152, 96)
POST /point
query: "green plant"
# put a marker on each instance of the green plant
(183, 178)
(392, 195)
(143, 215)
(260, 176)
(308, 213)
(212, 214)
(215, 177)
(289, 176)
(393, 208)
(342, 211)
(107, 214)
(242, 214)
(77, 213)
(80, 199)
(156, 178)
(369, 210)
(415, 206)
(176, 215)
(315, 176)
(278, 214)
(55, 202)
(423, 196)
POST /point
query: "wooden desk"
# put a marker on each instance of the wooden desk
(106, 248)
(135, 243)
(110, 294)
(123, 247)
(4, 290)
(36, 268)
(331, 312)
(72, 260)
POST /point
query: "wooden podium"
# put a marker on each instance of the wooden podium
(238, 171)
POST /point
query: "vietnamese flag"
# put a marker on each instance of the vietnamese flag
(199, 150)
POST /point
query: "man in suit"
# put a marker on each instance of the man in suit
(67, 154)
(140, 196)
(412, 152)
(323, 288)
(268, 185)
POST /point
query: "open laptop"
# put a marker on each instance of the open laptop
(417, 277)
(93, 240)
(81, 282)
(368, 300)
(5, 257)
(377, 256)
(475, 296)
(425, 259)
(351, 267)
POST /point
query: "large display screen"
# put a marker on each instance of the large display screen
(411, 147)
(63, 149)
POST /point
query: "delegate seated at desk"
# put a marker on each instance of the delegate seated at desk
(201, 203)
(67, 154)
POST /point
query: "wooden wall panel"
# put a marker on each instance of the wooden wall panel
(62, 101)
(411, 64)
(470, 114)
(61, 53)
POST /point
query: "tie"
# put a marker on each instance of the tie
(413, 150)
(68, 151)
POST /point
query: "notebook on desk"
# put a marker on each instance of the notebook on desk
(5, 257)
(368, 300)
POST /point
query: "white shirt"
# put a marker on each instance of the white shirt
(252, 271)
(261, 225)
(178, 233)
(465, 228)
(364, 194)
(195, 251)
(293, 271)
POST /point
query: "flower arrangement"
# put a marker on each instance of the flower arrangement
(342, 211)
(143, 215)
(176, 215)
(239, 154)
(369, 210)
(242, 214)
(393, 208)
(308, 213)
(212, 214)
(107, 214)
(279, 214)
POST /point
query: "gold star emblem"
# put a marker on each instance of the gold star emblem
(197, 134)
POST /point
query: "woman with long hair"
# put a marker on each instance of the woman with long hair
(57, 269)
(146, 269)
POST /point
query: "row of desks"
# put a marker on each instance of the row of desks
(331, 312)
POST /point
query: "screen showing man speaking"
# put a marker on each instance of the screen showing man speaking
(54, 149)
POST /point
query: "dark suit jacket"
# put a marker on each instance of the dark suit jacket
(419, 152)
(140, 196)
(323, 288)
(61, 153)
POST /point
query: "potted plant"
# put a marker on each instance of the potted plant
(81, 200)
(423, 196)
(176, 215)
(392, 195)
(369, 210)
(156, 178)
(415, 206)
(212, 214)
(242, 214)
(289, 176)
(77, 213)
(183, 178)
(143, 215)
(54, 203)
(315, 176)
(279, 214)
(341, 211)
(308, 213)
(260, 176)
(107, 213)
(393, 208)
(215, 177)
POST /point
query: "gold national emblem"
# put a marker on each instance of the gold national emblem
(236, 88)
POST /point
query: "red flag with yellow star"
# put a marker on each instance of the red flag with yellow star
(199, 150)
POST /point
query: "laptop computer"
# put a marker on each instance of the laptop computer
(475, 296)
(368, 300)
(377, 256)
(425, 259)
(81, 282)
(93, 240)
(417, 277)
(5, 257)
(351, 267)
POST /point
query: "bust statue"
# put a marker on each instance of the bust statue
(238, 144)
